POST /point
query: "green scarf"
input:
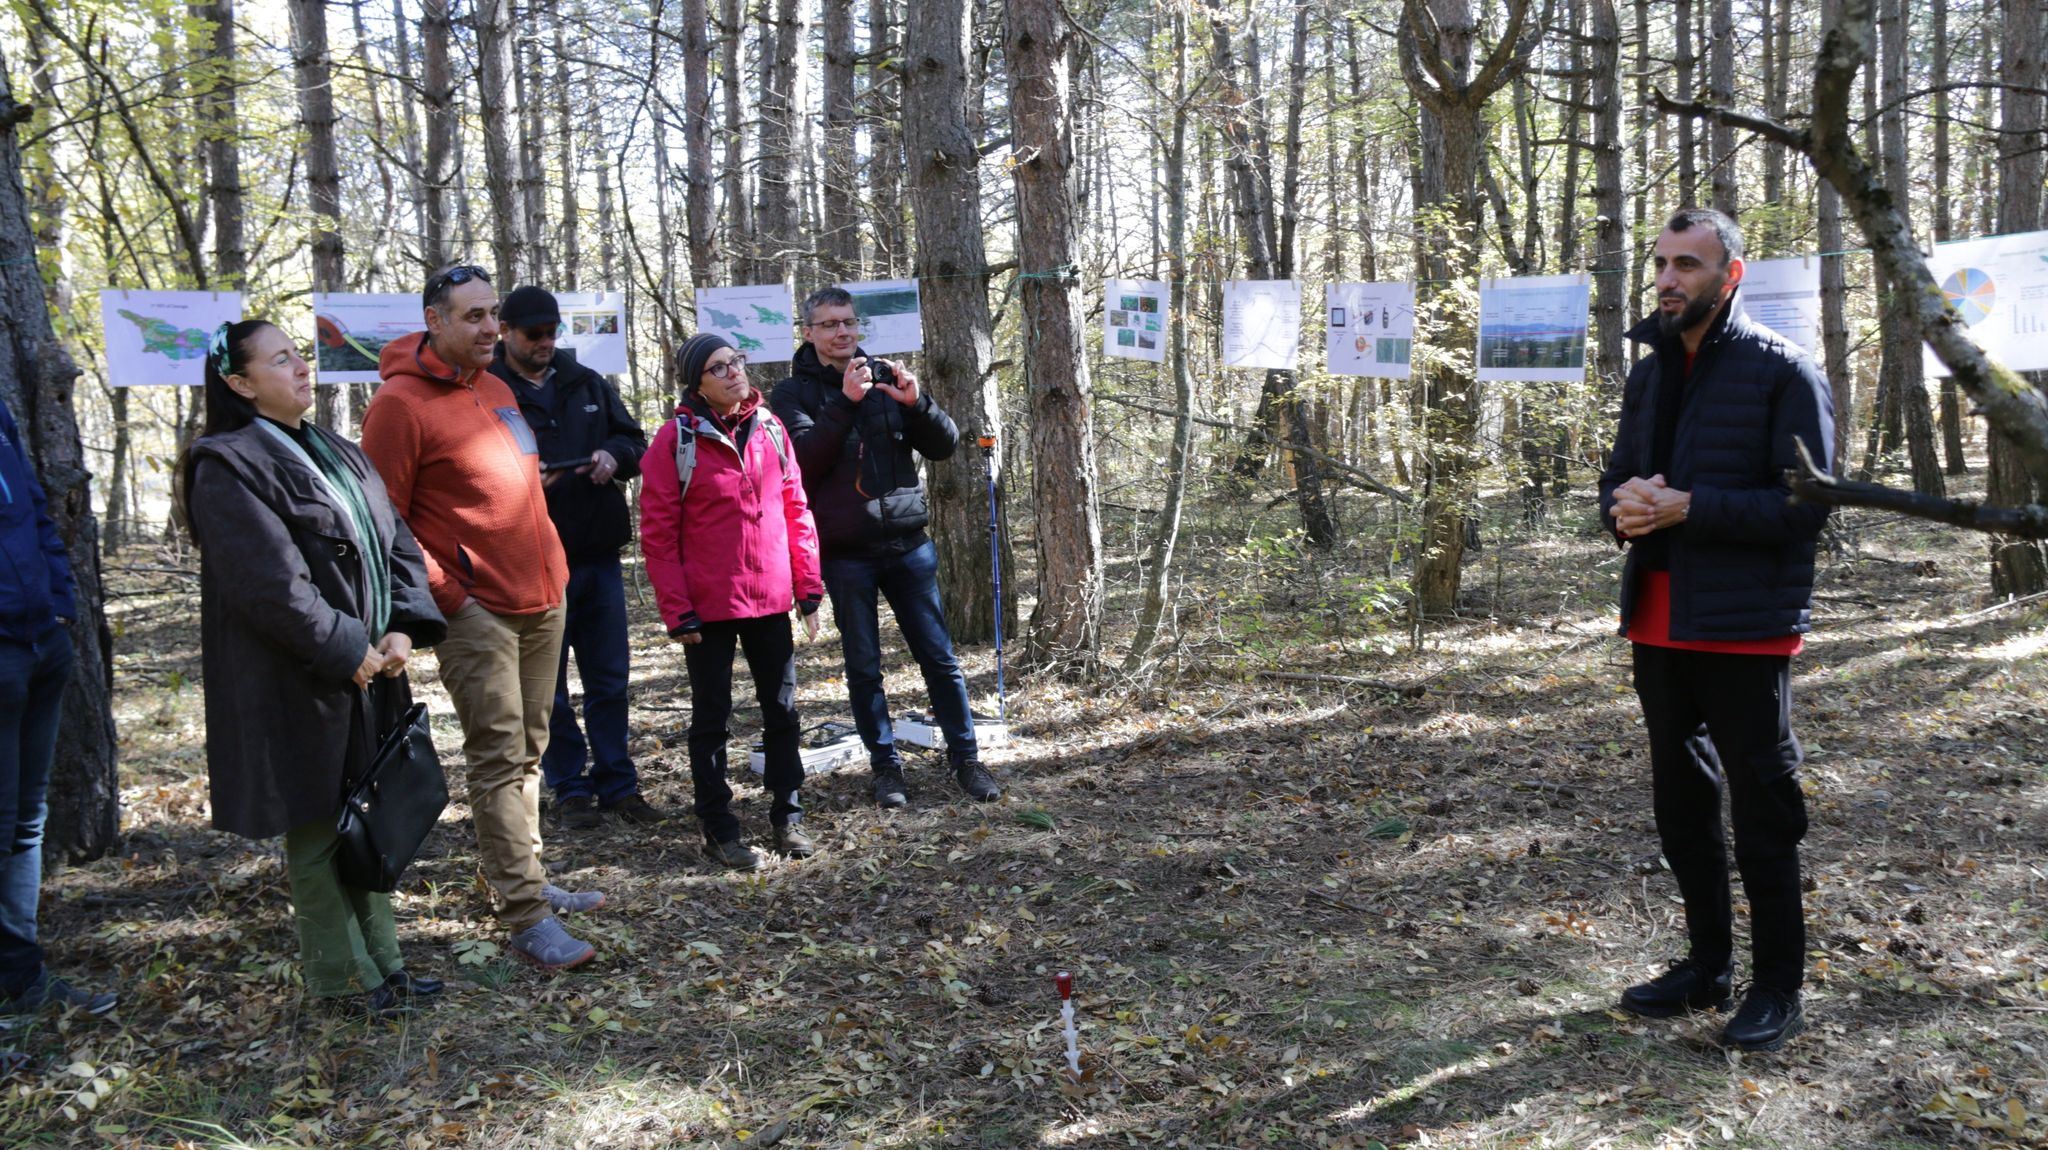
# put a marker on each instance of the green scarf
(348, 493)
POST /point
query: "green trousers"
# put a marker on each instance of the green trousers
(348, 942)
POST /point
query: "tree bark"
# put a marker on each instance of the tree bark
(1066, 624)
(571, 245)
(36, 380)
(1721, 90)
(777, 242)
(438, 94)
(221, 126)
(885, 144)
(1900, 354)
(1956, 463)
(839, 238)
(739, 218)
(312, 70)
(498, 110)
(1684, 62)
(951, 267)
(2018, 567)
(1611, 231)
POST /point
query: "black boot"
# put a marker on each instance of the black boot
(1688, 985)
(1767, 1018)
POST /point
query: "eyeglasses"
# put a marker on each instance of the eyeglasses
(727, 368)
(836, 324)
(453, 277)
(538, 334)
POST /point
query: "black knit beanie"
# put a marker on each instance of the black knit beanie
(694, 354)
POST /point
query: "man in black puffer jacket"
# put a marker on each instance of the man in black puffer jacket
(1716, 596)
(582, 427)
(859, 425)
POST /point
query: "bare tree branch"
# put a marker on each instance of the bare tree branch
(1818, 487)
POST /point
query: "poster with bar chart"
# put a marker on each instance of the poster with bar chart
(1999, 287)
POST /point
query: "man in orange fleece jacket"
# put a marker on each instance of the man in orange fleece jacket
(463, 470)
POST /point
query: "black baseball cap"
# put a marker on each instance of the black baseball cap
(529, 306)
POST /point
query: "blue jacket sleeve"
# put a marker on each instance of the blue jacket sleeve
(57, 561)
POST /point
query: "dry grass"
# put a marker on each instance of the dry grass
(1299, 913)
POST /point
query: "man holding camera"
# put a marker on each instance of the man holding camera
(590, 446)
(859, 424)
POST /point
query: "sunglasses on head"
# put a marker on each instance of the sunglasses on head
(454, 277)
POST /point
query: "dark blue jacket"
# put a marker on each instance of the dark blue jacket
(860, 460)
(35, 572)
(580, 414)
(1742, 562)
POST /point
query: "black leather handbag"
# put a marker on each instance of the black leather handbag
(387, 813)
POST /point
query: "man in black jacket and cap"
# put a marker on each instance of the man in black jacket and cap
(590, 445)
(1716, 598)
(859, 424)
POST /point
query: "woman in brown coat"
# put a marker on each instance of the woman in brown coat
(312, 596)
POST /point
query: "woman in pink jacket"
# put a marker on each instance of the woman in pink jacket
(730, 548)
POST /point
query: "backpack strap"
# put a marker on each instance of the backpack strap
(686, 454)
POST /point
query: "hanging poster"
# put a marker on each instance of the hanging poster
(890, 321)
(1372, 328)
(1261, 323)
(1134, 319)
(1999, 285)
(1533, 328)
(756, 319)
(594, 326)
(160, 337)
(351, 329)
(1784, 295)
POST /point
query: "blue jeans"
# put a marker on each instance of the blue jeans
(32, 681)
(595, 629)
(910, 582)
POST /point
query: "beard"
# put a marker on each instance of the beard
(1695, 312)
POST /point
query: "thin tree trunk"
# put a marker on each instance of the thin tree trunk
(1721, 90)
(415, 168)
(498, 109)
(1611, 232)
(1944, 211)
(438, 94)
(533, 205)
(739, 220)
(313, 72)
(221, 125)
(885, 144)
(36, 380)
(698, 209)
(775, 212)
(1066, 624)
(951, 266)
(1684, 61)
(839, 233)
(2018, 567)
(571, 246)
(1901, 342)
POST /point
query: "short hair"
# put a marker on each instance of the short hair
(1722, 225)
(441, 283)
(825, 297)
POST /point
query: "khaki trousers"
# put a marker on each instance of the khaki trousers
(500, 672)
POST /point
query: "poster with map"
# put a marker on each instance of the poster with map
(1372, 329)
(1261, 323)
(594, 326)
(351, 329)
(1784, 295)
(160, 337)
(1999, 285)
(1134, 319)
(1533, 328)
(756, 320)
(890, 317)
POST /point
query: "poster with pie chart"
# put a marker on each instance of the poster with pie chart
(1998, 286)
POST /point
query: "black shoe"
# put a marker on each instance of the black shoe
(790, 840)
(406, 984)
(380, 1005)
(1686, 986)
(889, 792)
(976, 781)
(637, 810)
(734, 855)
(1766, 1019)
(578, 813)
(48, 991)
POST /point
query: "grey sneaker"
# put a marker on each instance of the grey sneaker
(571, 901)
(889, 792)
(733, 855)
(49, 991)
(976, 781)
(546, 945)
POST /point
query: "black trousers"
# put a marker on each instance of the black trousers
(1720, 722)
(771, 657)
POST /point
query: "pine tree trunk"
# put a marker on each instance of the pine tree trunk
(698, 207)
(885, 144)
(1721, 90)
(839, 232)
(951, 267)
(739, 216)
(312, 71)
(1901, 363)
(438, 94)
(533, 204)
(1685, 62)
(499, 113)
(1611, 232)
(1066, 624)
(221, 125)
(2018, 567)
(571, 246)
(36, 380)
(775, 211)
(1944, 212)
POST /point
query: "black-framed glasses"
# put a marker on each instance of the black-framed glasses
(537, 334)
(728, 368)
(453, 277)
(847, 324)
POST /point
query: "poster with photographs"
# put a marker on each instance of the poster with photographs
(755, 320)
(160, 337)
(1784, 295)
(890, 321)
(1372, 329)
(1533, 328)
(350, 330)
(1261, 323)
(594, 326)
(1134, 319)
(1999, 285)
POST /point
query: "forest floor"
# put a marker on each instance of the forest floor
(1299, 912)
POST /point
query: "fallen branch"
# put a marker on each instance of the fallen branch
(2007, 605)
(1816, 486)
(1405, 690)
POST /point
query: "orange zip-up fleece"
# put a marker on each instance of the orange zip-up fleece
(463, 470)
